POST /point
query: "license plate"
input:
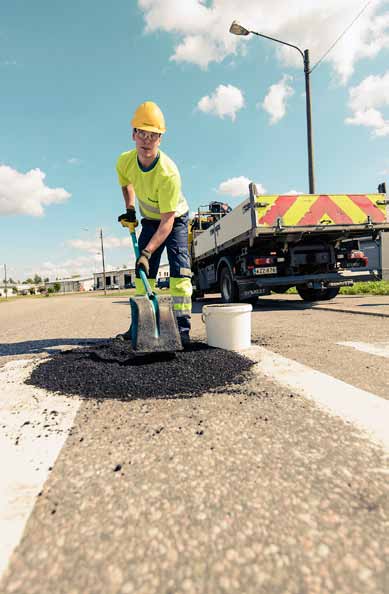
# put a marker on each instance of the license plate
(268, 270)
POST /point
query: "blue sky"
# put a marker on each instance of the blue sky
(73, 73)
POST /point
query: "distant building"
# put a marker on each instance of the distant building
(123, 278)
(6, 291)
(72, 285)
(17, 289)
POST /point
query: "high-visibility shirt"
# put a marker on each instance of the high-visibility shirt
(158, 188)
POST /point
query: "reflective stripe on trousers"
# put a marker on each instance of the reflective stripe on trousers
(179, 262)
(180, 291)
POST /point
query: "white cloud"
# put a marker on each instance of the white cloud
(238, 186)
(226, 100)
(26, 193)
(275, 101)
(81, 265)
(293, 193)
(95, 245)
(74, 161)
(365, 98)
(202, 29)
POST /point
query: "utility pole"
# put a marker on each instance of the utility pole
(5, 281)
(102, 256)
(309, 122)
(237, 29)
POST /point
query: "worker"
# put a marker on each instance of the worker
(150, 175)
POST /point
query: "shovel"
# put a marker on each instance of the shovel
(153, 324)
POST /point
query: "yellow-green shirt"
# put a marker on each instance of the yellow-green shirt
(158, 189)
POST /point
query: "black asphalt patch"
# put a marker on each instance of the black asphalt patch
(112, 370)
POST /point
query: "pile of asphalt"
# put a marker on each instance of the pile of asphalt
(112, 370)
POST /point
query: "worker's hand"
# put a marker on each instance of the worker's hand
(128, 217)
(142, 262)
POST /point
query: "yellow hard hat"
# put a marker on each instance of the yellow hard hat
(148, 116)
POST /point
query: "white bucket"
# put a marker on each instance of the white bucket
(228, 325)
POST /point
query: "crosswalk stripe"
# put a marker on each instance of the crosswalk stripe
(370, 413)
(35, 426)
(379, 349)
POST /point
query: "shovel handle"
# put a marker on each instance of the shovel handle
(142, 273)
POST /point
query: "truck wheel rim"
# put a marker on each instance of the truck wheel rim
(226, 289)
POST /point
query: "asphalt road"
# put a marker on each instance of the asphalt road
(251, 488)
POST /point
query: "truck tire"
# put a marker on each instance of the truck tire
(228, 287)
(308, 294)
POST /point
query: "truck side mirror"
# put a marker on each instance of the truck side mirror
(382, 188)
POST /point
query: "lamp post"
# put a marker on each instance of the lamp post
(102, 256)
(237, 29)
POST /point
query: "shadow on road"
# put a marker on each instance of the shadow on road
(371, 304)
(32, 347)
(260, 305)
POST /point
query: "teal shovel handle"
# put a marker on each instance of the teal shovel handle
(142, 273)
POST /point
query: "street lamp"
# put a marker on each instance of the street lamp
(102, 258)
(237, 29)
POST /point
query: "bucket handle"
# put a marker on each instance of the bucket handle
(203, 316)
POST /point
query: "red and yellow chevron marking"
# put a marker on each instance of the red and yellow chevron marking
(305, 210)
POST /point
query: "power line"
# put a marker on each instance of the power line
(341, 35)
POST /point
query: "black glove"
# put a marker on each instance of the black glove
(142, 262)
(129, 216)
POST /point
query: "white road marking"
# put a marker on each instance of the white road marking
(32, 435)
(379, 348)
(368, 412)
(31, 438)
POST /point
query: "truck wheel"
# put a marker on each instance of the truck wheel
(228, 287)
(308, 294)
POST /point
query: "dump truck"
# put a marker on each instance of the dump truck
(270, 243)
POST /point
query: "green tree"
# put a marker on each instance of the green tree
(46, 280)
(57, 287)
(37, 279)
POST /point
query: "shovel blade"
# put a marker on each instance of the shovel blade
(154, 332)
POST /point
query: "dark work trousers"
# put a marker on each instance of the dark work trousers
(176, 245)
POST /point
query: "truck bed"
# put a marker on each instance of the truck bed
(343, 215)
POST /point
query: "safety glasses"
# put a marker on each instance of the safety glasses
(143, 135)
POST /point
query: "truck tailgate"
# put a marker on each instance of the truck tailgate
(320, 210)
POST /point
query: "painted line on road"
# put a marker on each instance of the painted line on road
(368, 412)
(381, 349)
(35, 425)
(302, 306)
(338, 309)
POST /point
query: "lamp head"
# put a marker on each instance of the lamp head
(237, 29)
